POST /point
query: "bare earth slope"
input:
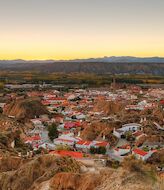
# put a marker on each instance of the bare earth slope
(25, 108)
(49, 172)
(107, 179)
(30, 175)
(108, 107)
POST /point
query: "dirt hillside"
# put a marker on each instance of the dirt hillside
(107, 179)
(25, 108)
(74, 181)
(29, 175)
(108, 107)
(49, 172)
(97, 130)
(11, 131)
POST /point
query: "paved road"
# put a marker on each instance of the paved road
(45, 137)
(121, 142)
(114, 157)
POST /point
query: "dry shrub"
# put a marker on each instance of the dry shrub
(138, 166)
(8, 163)
(74, 181)
(133, 165)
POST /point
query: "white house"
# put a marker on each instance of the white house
(98, 144)
(118, 132)
(66, 140)
(126, 127)
(36, 121)
(131, 127)
(83, 145)
(2, 105)
(48, 146)
(80, 116)
(141, 154)
(35, 141)
(86, 145)
(60, 141)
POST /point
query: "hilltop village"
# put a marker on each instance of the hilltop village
(112, 123)
(103, 126)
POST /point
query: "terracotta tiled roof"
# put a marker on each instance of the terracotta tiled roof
(34, 138)
(81, 142)
(64, 140)
(140, 152)
(68, 153)
(137, 133)
(102, 144)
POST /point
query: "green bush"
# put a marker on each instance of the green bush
(62, 147)
(3, 139)
(113, 164)
(92, 150)
(53, 132)
(98, 150)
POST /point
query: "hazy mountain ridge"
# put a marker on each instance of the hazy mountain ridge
(103, 59)
(114, 65)
(123, 59)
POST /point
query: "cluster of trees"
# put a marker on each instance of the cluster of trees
(79, 78)
(128, 136)
(98, 150)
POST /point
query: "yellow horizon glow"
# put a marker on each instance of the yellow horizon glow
(74, 56)
(61, 46)
(39, 30)
(42, 53)
(45, 54)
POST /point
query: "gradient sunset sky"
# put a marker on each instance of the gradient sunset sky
(68, 29)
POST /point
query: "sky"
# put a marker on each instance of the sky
(70, 29)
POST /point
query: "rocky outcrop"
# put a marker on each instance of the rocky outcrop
(49, 172)
(25, 108)
(29, 175)
(97, 130)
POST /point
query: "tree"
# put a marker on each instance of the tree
(53, 132)
(92, 150)
(101, 150)
(98, 150)
(62, 147)
(1, 110)
(1, 85)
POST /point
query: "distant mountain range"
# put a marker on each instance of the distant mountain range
(121, 59)
(113, 65)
